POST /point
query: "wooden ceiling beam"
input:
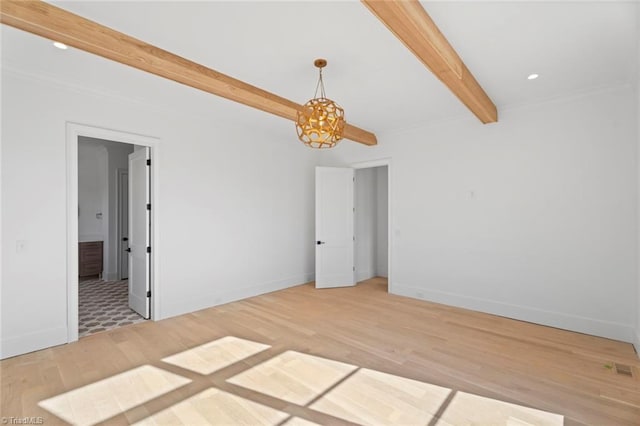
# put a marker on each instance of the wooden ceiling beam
(57, 24)
(408, 20)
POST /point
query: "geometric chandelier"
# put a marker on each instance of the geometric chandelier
(320, 122)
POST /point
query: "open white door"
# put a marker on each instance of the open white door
(334, 227)
(139, 231)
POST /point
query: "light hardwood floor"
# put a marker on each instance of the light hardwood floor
(302, 356)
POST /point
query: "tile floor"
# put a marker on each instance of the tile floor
(104, 305)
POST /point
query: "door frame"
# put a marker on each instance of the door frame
(73, 132)
(119, 216)
(381, 163)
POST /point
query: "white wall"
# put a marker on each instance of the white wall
(236, 213)
(93, 192)
(382, 219)
(532, 218)
(637, 334)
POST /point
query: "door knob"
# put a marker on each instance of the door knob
(320, 242)
(128, 250)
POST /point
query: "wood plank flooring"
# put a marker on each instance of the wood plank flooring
(303, 356)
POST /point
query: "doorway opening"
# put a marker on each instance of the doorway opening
(353, 221)
(110, 221)
(103, 234)
(371, 197)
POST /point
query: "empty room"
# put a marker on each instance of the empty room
(320, 212)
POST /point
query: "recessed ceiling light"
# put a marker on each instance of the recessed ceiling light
(60, 45)
(532, 76)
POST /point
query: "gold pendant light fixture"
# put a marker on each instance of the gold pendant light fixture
(320, 122)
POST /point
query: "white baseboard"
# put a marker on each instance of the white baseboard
(593, 326)
(110, 276)
(179, 307)
(636, 342)
(364, 275)
(19, 345)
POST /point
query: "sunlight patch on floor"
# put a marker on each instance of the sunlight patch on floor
(466, 408)
(343, 391)
(216, 355)
(374, 398)
(216, 407)
(106, 398)
(293, 376)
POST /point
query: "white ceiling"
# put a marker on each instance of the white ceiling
(574, 46)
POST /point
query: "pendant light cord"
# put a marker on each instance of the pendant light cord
(320, 86)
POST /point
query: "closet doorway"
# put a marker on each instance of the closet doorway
(371, 196)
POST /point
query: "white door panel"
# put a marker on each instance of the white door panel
(139, 235)
(334, 227)
(123, 221)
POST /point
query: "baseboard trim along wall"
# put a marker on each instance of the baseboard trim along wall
(179, 307)
(561, 320)
(636, 342)
(364, 275)
(110, 276)
(26, 343)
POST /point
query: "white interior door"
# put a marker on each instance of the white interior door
(123, 224)
(139, 235)
(334, 227)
